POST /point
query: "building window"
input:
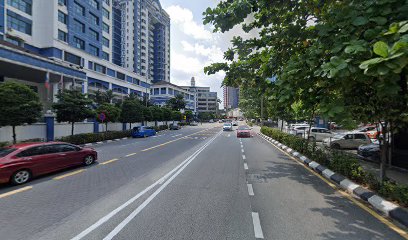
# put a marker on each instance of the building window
(94, 35)
(62, 35)
(78, 8)
(163, 91)
(94, 19)
(107, 2)
(120, 76)
(105, 56)
(78, 26)
(69, 57)
(156, 91)
(105, 42)
(22, 5)
(79, 43)
(105, 27)
(105, 13)
(62, 2)
(18, 23)
(93, 50)
(62, 17)
(94, 3)
(99, 68)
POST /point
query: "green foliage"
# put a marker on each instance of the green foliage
(189, 115)
(72, 106)
(103, 97)
(177, 102)
(84, 138)
(147, 114)
(19, 105)
(205, 116)
(111, 112)
(157, 113)
(176, 116)
(167, 114)
(131, 111)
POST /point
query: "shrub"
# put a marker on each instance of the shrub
(95, 137)
(3, 144)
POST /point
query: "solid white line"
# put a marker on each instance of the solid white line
(250, 190)
(245, 166)
(243, 157)
(257, 225)
(123, 224)
(127, 203)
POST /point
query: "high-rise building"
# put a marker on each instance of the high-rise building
(231, 97)
(121, 45)
(206, 101)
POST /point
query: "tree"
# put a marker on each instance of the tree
(131, 111)
(189, 115)
(177, 103)
(176, 116)
(167, 114)
(103, 97)
(147, 114)
(112, 113)
(157, 114)
(72, 106)
(321, 53)
(19, 105)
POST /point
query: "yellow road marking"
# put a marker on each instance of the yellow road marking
(129, 155)
(3, 195)
(69, 174)
(109, 161)
(185, 137)
(373, 213)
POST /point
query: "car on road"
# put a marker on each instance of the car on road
(211, 121)
(349, 140)
(194, 123)
(19, 163)
(234, 123)
(369, 152)
(220, 121)
(227, 127)
(174, 126)
(318, 134)
(143, 131)
(243, 131)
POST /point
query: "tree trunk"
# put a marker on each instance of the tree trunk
(106, 127)
(14, 135)
(130, 126)
(384, 151)
(72, 128)
(155, 123)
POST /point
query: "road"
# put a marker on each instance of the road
(194, 183)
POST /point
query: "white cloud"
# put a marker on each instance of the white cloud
(213, 53)
(183, 18)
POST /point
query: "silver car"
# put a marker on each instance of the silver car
(227, 127)
(350, 140)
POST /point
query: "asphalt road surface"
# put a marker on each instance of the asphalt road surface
(194, 183)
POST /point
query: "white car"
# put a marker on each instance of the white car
(318, 134)
(299, 130)
(211, 121)
(350, 140)
(234, 123)
(227, 127)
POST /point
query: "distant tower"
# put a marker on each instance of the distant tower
(193, 82)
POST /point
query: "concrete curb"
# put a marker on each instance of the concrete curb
(388, 208)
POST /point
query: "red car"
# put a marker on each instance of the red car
(243, 131)
(21, 162)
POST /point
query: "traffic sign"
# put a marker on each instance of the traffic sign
(102, 116)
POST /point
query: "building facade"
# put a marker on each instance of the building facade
(163, 91)
(231, 97)
(206, 101)
(92, 45)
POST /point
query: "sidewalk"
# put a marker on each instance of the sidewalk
(396, 174)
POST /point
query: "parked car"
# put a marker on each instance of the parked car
(19, 163)
(174, 127)
(143, 131)
(369, 152)
(243, 131)
(234, 123)
(227, 127)
(318, 134)
(211, 121)
(299, 130)
(350, 140)
(220, 121)
(194, 123)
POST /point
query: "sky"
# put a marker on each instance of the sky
(193, 45)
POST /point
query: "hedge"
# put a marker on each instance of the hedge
(95, 137)
(342, 163)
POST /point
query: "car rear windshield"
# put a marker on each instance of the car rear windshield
(6, 151)
(227, 124)
(243, 128)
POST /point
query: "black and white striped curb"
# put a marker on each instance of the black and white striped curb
(386, 207)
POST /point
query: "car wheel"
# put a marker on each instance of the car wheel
(88, 160)
(21, 177)
(335, 146)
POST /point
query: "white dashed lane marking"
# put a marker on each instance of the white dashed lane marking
(257, 225)
(243, 157)
(250, 190)
(246, 166)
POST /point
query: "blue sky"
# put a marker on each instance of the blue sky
(193, 45)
